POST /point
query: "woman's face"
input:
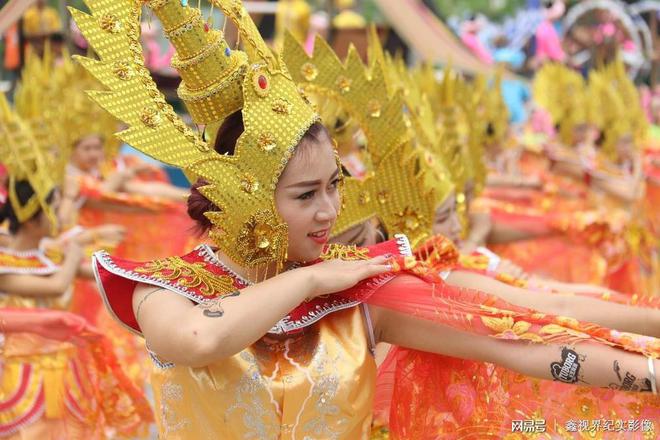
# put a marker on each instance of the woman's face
(446, 221)
(364, 234)
(307, 199)
(625, 147)
(88, 153)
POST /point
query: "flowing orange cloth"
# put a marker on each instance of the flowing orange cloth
(60, 378)
(426, 396)
(155, 228)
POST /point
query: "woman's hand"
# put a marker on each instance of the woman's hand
(336, 275)
(508, 267)
(63, 326)
(74, 253)
(110, 235)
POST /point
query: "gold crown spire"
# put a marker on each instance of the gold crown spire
(451, 148)
(211, 72)
(247, 228)
(25, 162)
(420, 120)
(470, 99)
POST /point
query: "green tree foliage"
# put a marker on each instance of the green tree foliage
(494, 9)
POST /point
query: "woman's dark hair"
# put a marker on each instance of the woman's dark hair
(490, 129)
(24, 192)
(225, 143)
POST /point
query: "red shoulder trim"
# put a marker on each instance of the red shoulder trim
(198, 276)
(117, 279)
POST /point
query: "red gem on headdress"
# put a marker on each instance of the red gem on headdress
(263, 82)
(206, 27)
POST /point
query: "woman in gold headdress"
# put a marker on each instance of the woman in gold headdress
(64, 383)
(282, 351)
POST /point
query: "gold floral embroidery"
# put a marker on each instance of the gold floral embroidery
(343, 252)
(172, 393)
(507, 328)
(263, 238)
(188, 275)
(555, 329)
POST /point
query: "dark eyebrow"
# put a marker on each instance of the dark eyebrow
(313, 182)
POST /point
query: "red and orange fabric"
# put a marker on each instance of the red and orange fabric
(61, 379)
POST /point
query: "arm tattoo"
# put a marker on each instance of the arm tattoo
(629, 381)
(212, 308)
(144, 298)
(568, 370)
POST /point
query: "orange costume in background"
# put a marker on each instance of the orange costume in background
(146, 221)
(55, 389)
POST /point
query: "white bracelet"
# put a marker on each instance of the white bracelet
(654, 385)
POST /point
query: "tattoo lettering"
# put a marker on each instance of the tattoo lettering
(212, 308)
(568, 370)
(629, 382)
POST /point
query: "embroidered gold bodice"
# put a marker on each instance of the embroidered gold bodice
(315, 385)
(33, 262)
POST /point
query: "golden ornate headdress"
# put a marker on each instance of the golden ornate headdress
(471, 98)
(496, 112)
(217, 81)
(451, 148)
(393, 189)
(358, 91)
(51, 98)
(617, 109)
(419, 117)
(562, 92)
(24, 161)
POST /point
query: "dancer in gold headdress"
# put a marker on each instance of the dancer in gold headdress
(66, 384)
(269, 194)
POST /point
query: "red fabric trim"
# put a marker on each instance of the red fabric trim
(10, 428)
(25, 381)
(118, 278)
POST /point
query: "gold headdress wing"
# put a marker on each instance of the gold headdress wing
(359, 91)
(420, 119)
(639, 124)
(216, 82)
(24, 161)
(562, 92)
(470, 99)
(393, 190)
(396, 193)
(451, 149)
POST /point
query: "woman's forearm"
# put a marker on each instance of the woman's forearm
(616, 316)
(502, 233)
(219, 328)
(586, 364)
(624, 189)
(115, 182)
